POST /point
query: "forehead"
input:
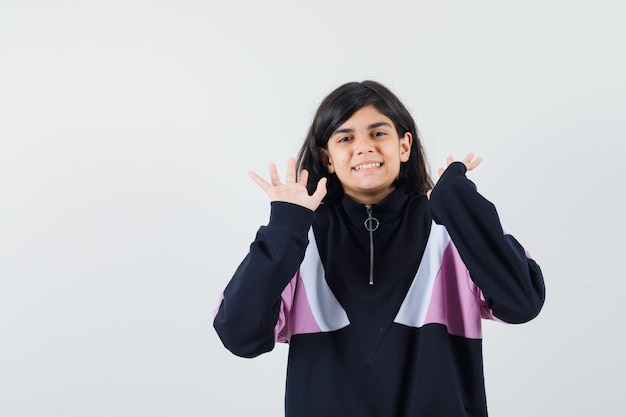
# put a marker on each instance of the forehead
(364, 117)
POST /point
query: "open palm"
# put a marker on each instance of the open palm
(293, 190)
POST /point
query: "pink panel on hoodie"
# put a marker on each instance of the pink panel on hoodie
(302, 320)
(455, 300)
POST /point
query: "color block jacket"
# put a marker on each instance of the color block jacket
(408, 344)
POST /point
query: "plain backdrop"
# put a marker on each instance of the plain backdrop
(127, 129)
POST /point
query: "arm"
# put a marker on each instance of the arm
(249, 311)
(511, 283)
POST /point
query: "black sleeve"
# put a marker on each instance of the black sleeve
(511, 282)
(249, 312)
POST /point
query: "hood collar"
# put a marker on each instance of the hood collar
(385, 211)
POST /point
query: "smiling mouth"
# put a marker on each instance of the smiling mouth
(367, 166)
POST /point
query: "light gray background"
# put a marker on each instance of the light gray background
(127, 130)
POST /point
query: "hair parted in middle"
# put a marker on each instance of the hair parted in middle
(335, 110)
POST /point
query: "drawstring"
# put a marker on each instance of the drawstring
(371, 224)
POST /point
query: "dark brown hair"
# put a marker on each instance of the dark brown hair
(335, 110)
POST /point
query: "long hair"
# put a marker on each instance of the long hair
(335, 110)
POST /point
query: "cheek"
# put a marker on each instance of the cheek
(344, 165)
(338, 159)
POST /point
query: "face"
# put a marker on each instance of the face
(365, 152)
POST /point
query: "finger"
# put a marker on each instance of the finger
(474, 163)
(260, 181)
(290, 176)
(274, 178)
(468, 158)
(304, 177)
(477, 162)
(320, 190)
(440, 171)
(449, 160)
(428, 194)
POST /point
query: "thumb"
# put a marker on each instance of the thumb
(320, 190)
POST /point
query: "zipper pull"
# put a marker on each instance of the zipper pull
(371, 224)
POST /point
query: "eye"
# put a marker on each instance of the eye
(343, 139)
(378, 134)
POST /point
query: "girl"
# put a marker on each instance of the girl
(377, 284)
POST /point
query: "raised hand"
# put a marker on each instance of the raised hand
(292, 190)
(470, 163)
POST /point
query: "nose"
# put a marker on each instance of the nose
(363, 144)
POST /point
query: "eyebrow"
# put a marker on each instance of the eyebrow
(372, 126)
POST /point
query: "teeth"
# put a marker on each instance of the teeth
(367, 166)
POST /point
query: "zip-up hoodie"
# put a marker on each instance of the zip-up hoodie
(385, 320)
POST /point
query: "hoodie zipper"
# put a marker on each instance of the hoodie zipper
(371, 224)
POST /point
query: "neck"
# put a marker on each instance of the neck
(371, 199)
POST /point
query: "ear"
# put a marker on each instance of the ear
(328, 163)
(405, 146)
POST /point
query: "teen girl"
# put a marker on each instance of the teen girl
(377, 284)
